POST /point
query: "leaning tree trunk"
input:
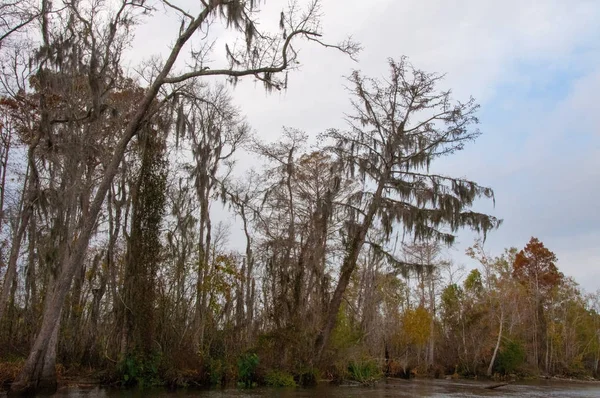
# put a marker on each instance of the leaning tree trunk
(348, 267)
(30, 379)
(48, 367)
(498, 341)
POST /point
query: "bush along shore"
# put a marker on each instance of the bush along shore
(248, 371)
(474, 329)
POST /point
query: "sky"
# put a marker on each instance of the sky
(533, 66)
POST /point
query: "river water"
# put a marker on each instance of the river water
(390, 388)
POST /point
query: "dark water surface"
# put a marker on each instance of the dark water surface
(395, 388)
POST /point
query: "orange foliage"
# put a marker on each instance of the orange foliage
(535, 267)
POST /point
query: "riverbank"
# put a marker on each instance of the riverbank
(88, 378)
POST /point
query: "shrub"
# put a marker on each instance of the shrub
(139, 370)
(9, 371)
(215, 371)
(365, 372)
(247, 365)
(275, 378)
(308, 377)
(510, 358)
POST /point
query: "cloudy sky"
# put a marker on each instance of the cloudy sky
(534, 66)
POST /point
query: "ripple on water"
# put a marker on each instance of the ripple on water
(391, 389)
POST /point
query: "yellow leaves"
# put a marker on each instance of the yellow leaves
(416, 325)
(224, 276)
(227, 265)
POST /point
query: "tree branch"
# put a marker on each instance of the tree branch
(246, 72)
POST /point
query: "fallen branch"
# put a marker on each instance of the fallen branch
(494, 386)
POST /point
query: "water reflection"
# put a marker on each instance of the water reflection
(392, 389)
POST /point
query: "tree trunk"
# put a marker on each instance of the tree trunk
(48, 382)
(31, 313)
(143, 249)
(11, 307)
(239, 300)
(432, 309)
(11, 270)
(203, 193)
(3, 178)
(89, 352)
(22, 224)
(30, 378)
(348, 267)
(498, 341)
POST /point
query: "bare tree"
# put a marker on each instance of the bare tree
(215, 130)
(15, 16)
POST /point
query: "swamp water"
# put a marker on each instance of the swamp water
(390, 388)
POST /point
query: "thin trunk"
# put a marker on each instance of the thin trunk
(203, 265)
(143, 249)
(11, 307)
(249, 278)
(114, 225)
(25, 211)
(597, 361)
(432, 309)
(75, 312)
(89, 353)
(548, 341)
(464, 335)
(30, 282)
(239, 299)
(498, 341)
(4, 172)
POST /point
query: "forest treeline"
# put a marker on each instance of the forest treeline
(112, 259)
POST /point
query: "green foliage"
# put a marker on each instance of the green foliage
(308, 376)
(289, 348)
(510, 358)
(365, 372)
(576, 367)
(247, 365)
(138, 370)
(216, 371)
(344, 335)
(473, 282)
(451, 302)
(276, 378)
